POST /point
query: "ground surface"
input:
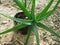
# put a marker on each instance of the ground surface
(9, 7)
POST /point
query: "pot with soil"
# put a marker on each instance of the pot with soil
(21, 15)
(20, 34)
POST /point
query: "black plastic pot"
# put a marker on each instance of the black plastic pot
(21, 15)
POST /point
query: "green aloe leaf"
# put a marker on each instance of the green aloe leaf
(48, 29)
(47, 14)
(33, 9)
(13, 28)
(28, 35)
(28, 22)
(41, 14)
(36, 34)
(23, 8)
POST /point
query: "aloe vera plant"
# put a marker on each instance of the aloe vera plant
(33, 21)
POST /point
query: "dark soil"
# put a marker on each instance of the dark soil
(21, 15)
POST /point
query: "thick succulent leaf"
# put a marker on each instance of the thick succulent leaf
(41, 14)
(21, 5)
(47, 14)
(36, 34)
(28, 35)
(28, 22)
(13, 28)
(48, 29)
(33, 9)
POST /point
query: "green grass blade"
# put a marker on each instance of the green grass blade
(28, 22)
(28, 35)
(28, 6)
(33, 9)
(23, 8)
(55, 7)
(36, 34)
(13, 28)
(41, 14)
(59, 1)
(25, 3)
(47, 14)
(48, 29)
